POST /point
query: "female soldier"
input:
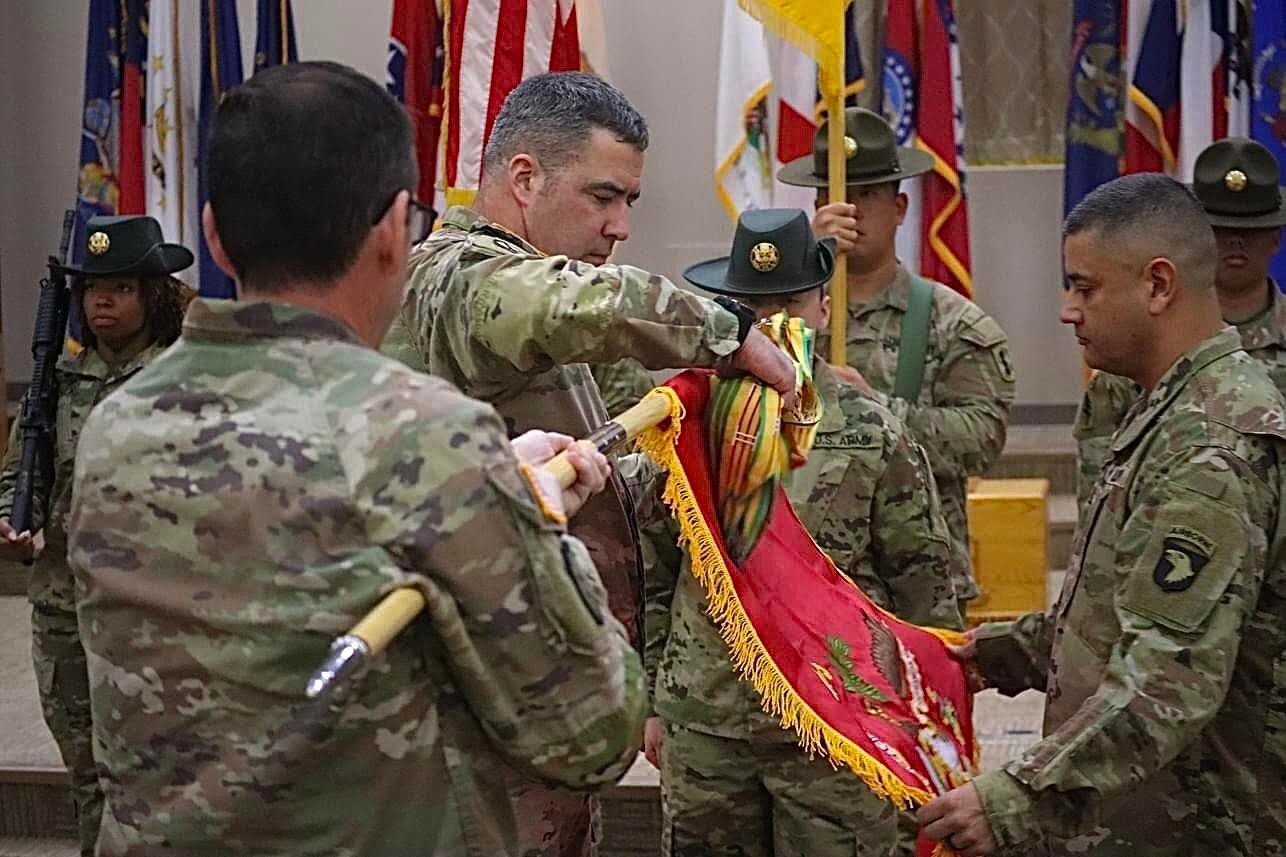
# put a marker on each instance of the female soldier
(132, 310)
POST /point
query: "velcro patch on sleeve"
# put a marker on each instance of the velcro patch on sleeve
(547, 506)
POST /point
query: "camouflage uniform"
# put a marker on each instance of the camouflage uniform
(963, 409)
(508, 325)
(251, 495)
(59, 658)
(621, 384)
(1164, 659)
(1108, 397)
(733, 782)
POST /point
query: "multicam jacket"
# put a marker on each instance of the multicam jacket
(1164, 659)
(248, 497)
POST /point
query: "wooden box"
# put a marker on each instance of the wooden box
(1009, 546)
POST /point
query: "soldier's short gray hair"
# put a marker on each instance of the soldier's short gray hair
(552, 116)
(1154, 215)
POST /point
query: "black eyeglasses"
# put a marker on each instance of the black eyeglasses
(419, 218)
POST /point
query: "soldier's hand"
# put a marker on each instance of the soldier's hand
(969, 649)
(592, 472)
(653, 738)
(758, 356)
(839, 221)
(965, 654)
(957, 820)
(851, 376)
(592, 467)
(14, 546)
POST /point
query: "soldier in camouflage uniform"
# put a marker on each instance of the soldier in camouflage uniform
(734, 783)
(1162, 660)
(962, 409)
(1236, 181)
(490, 311)
(621, 384)
(260, 488)
(131, 310)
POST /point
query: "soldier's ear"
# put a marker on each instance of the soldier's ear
(525, 177)
(217, 252)
(1162, 283)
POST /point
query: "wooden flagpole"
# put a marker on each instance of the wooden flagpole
(837, 180)
(374, 631)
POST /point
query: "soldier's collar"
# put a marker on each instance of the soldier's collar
(470, 221)
(90, 364)
(1223, 343)
(828, 389)
(1267, 327)
(896, 294)
(241, 320)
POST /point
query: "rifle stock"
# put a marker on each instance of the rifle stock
(40, 405)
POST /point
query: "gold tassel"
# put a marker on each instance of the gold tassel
(749, 656)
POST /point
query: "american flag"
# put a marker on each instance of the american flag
(491, 47)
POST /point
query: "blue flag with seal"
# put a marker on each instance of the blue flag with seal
(275, 40)
(221, 70)
(1095, 115)
(98, 186)
(1268, 109)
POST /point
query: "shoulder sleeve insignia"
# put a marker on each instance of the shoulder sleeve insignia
(1183, 554)
(543, 501)
(1003, 362)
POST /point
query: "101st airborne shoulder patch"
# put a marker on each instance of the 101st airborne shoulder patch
(1184, 553)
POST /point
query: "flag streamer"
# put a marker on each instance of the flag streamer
(854, 683)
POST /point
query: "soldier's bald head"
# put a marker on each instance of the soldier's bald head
(1144, 216)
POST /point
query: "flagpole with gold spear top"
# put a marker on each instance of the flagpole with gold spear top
(816, 27)
(837, 180)
(374, 631)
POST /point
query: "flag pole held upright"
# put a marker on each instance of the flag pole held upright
(838, 183)
(817, 28)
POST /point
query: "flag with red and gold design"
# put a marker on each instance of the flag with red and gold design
(853, 682)
(924, 104)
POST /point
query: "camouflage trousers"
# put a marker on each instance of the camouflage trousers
(63, 680)
(554, 822)
(723, 797)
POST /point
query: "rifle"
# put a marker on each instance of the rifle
(378, 628)
(40, 404)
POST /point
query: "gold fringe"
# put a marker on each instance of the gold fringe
(774, 19)
(749, 656)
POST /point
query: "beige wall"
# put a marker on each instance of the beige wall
(663, 55)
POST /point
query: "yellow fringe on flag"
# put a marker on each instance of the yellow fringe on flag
(813, 26)
(749, 656)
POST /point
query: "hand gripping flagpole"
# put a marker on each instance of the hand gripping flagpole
(376, 629)
(837, 181)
